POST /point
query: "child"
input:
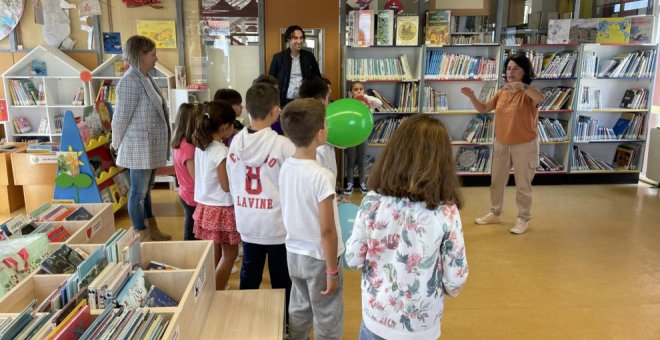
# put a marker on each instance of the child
(233, 98)
(184, 162)
(214, 215)
(357, 92)
(407, 237)
(255, 157)
(313, 246)
(318, 88)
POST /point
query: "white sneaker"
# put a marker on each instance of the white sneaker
(363, 188)
(490, 218)
(234, 269)
(520, 227)
(349, 188)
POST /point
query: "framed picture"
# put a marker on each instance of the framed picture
(463, 7)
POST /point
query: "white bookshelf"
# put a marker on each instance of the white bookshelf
(59, 85)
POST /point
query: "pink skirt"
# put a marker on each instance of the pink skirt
(217, 224)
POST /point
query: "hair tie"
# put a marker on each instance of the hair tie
(208, 116)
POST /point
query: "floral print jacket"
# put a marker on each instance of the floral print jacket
(410, 257)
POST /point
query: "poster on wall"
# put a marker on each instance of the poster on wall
(163, 33)
(112, 43)
(10, 13)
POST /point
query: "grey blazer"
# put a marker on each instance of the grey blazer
(140, 123)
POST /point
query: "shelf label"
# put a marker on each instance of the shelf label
(199, 282)
(43, 159)
(91, 231)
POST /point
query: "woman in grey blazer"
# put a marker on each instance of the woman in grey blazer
(141, 133)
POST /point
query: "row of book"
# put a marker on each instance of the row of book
(472, 39)
(552, 130)
(434, 100)
(408, 94)
(638, 64)
(24, 93)
(553, 65)
(582, 161)
(479, 130)
(590, 98)
(627, 157)
(384, 129)
(547, 163)
(387, 105)
(629, 126)
(557, 98)
(378, 69)
(635, 99)
(107, 93)
(20, 225)
(441, 65)
(369, 28)
(473, 159)
(79, 97)
(76, 323)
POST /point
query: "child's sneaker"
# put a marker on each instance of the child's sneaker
(520, 227)
(348, 189)
(363, 188)
(490, 218)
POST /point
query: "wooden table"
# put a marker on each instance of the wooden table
(245, 314)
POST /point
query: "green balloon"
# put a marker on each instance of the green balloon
(349, 122)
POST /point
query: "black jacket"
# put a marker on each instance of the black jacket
(280, 68)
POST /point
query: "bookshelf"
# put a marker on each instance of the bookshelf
(608, 138)
(40, 100)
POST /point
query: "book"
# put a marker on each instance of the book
(134, 292)
(64, 260)
(38, 68)
(365, 32)
(385, 27)
(76, 325)
(157, 298)
(68, 163)
(112, 43)
(613, 31)
(22, 125)
(80, 214)
(641, 29)
(559, 31)
(155, 265)
(56, 333)
(120, 67)
(583, 30)
(58, 234)
(407, 30)
(438, 28)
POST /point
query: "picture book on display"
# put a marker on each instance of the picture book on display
(438, 28)
(407, 30)
(559, 31)
(64, 260)
(613, 31)
(385, 28)
(583, 30)
(365, 29)
(641, 29)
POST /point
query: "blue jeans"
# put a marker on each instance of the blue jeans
(139, 197)
(366, 334)
(252, 270)
(188, 222)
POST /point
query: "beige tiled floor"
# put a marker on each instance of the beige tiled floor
(588, 268)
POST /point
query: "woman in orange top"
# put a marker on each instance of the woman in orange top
(516, 139)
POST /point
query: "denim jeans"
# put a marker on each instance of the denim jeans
(366, 334)
(139, 197)
(252, 270)
(188, 222)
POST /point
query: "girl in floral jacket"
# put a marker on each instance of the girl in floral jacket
(407, 237)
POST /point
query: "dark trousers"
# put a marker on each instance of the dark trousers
(188, 222)
(252, 270)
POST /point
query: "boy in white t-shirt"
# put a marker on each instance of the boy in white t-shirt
(313, 244)
(253, 166)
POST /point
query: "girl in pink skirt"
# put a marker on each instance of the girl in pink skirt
(214, 215)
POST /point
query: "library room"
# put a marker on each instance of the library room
(331, 169)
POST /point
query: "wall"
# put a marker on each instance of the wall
(308, 14)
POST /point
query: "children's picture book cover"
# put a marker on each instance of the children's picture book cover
(641, 29)
(365, 34)
(163, 33)
(407, 30)
(583, 31)
(613, 31)
(385, 28)
(438, 28)
(559, 31)
(39, 68)
(112, 43)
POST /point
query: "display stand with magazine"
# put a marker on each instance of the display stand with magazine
(86, 170)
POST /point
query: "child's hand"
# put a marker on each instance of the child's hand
(467, 91)
(332, 283)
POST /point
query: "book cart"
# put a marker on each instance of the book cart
(37, 99)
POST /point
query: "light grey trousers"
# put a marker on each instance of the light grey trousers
(307, 306)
